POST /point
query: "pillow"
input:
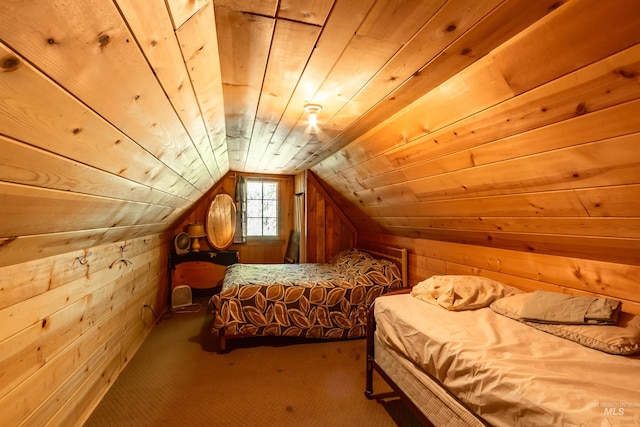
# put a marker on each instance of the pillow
(349, 258)
(459, 292)
(623, 338)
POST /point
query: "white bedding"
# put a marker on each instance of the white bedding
(509, 373)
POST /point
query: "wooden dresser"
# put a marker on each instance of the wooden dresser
(200, 270)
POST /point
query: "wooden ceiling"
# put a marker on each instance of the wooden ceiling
(362, 61)
(224, 82)
(138, 108)
(441, 119)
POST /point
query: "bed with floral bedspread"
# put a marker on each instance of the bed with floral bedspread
(302, 300)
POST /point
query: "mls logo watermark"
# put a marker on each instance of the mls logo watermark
(613, 411)
(616, 408)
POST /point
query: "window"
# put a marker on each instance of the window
(262, 208)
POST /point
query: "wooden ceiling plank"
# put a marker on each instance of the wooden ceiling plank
(564, 32)
(579, 226)
(449, 23)
(313, 12)
(397, 21)
(474, 89)
(614, 201)
(371, 170)
(151, 25)
(401, 193)
(87, 48)
(554, 203)
(76, 132)
(596, 164)
(244, 41)
(254, 7)
(371, 178)
(459, 133)
(238, 151)
(361, 60)
(342, 24)
(615, 121)
(291, 47)
(27, 165)
(182, 10)
(200, 49)
(417, 49)
(511, 17)
(592, 88)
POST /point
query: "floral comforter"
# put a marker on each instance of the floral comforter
(302, 300)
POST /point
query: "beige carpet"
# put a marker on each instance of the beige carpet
(177, 379)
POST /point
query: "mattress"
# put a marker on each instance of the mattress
(507, 372)
(426, 393)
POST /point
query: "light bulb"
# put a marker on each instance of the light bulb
(312, 113)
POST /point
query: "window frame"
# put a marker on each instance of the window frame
(259, 237)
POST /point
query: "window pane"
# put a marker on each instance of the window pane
(270, 227)
(254, 226)
(270, 208)
(261, 209)
(270, 190)
(254, 190)
(254, 208)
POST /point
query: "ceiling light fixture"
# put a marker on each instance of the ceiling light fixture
(312, 113)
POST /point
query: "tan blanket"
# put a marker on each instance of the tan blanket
(509, 373)
(552, 307)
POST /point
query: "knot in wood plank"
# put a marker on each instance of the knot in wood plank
(10, 63)
(103, 39)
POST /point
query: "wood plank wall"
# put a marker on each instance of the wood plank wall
(328, 229)
(255, 251)
(106, 133)
(68, 328)
(106, 138)
(527, 271)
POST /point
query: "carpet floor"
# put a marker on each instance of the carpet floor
(177, 379)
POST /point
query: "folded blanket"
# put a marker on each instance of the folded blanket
(551, 307)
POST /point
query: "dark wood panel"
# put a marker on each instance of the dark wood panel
(329, 230)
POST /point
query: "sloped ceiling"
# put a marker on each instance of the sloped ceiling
(117, 116)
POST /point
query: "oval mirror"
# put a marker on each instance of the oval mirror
(220, 221)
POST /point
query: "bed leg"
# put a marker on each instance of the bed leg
(371, 327)
(222, 343)
(368, 392)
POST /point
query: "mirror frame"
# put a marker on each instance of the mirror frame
(220, 222)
